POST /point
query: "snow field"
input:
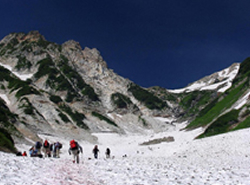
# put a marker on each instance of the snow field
(218, 160)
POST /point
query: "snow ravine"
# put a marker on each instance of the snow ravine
(223, 159)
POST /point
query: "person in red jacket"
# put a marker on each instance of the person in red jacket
(24, 153)
(75, 149)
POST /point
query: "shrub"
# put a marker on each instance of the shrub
(27, 106)
(150, 101)
(120, 100)
(55, 99)
(89, 91)
(6, 142)
(23, 63)
(101, 117)
(75, 116)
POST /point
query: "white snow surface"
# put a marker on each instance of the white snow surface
(241, 102)
(220, 160)
(227, 74)
(21, 76)
(5, 98)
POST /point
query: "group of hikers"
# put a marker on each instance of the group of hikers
(75, 149)
(53, 150)
(47, 148)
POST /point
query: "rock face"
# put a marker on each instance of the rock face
(64, 89)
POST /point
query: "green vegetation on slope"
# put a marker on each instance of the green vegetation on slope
(101, 117)
(243, 124)
(144, 96)
(193, 102)
(120, 100)
(6, 142)
(217, 107)
(75, 116)
(6, 127)
(222, 124)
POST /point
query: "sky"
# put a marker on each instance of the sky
(167, 43)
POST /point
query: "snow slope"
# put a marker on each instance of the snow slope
(21, 76)
(227, 75)
(223, 159)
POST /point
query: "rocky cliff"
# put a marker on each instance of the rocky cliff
(64, 90)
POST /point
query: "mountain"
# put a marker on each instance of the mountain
(64, 90)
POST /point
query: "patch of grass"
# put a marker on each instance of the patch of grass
(217, 107)
(243, 124)
(222, 124)
(194, 101)
(101, 117)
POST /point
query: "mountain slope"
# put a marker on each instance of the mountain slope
(64, 90)
(230, 110)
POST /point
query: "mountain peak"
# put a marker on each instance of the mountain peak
(32, 36)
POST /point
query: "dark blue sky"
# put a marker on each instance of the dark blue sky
(167, 43)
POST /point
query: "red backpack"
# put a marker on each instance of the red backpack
(46, 144)
(73, 144)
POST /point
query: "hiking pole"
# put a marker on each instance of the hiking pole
(82, 157)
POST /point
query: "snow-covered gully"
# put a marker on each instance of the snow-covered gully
(223, 159)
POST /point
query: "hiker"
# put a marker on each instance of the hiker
(33, 152)
(24, 153)
(18, 154)
(46, 149)
(107, 153)
(95, 151)
(38, 146)
(75, 149)
(57, 147)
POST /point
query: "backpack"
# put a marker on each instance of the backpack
(46, 144)
(60, 145)
(38, 145)
(73, 144)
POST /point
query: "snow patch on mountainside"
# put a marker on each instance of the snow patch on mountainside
(21, 76)
(5, 98)
(224, 81)
(241, 102)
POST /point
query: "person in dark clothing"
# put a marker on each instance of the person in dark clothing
(95, 151)
(75, 149)
(46, 148)
(108, 153)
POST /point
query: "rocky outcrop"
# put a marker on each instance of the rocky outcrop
(57, 89)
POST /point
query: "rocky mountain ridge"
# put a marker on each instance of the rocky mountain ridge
(64, 90)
